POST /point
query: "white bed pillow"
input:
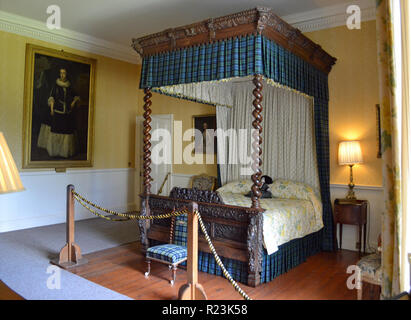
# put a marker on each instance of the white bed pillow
(239, 186)
(287, 189)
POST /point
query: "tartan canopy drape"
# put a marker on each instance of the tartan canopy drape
(245, 56)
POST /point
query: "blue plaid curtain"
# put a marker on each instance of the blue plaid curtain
(244, 56)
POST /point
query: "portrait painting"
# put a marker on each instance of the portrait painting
(205, 139)
(58, 109)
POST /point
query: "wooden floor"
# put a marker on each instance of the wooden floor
(321, 277)
(7, 294)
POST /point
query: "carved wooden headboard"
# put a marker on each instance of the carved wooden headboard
(196, 195)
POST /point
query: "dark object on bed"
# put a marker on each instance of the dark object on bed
(265, 193)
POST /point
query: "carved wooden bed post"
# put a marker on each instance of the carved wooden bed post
(145, 209)
(257, 142)
(255, 227)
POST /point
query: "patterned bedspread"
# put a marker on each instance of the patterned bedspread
(284, 219)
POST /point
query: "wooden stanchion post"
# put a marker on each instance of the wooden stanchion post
(70, 254)
(192, 290)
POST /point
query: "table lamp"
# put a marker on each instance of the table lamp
(349, 153)
(9, 175)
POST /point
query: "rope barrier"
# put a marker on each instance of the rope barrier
(128, 216)
(218, 260)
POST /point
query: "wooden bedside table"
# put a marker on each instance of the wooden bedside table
(352, 212)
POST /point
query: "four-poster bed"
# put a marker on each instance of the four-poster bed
(254, 43)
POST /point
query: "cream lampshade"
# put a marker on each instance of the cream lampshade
(9, 175)
(349, 153)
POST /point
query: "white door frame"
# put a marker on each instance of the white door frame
(139, 151)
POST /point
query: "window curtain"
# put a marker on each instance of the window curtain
(393, 56)
(289, 150)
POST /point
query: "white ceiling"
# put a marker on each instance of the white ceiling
(119, 21)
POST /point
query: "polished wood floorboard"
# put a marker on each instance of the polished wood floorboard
(321, 277)
(7, 294)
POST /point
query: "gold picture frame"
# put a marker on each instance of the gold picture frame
(59, 96)
(198, 121)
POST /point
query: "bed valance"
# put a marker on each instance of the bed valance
(254, 43)
(232, 58)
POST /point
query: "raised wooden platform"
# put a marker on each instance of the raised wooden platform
(321, 277)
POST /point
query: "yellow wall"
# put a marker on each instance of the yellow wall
(118, 101)
(115, 102)
(353, 96)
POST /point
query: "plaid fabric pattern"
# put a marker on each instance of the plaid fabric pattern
(167, 252)
(172, 252)
(237, 269)
(236, 57)
(180, 231)
(288, 256)
(244, 56)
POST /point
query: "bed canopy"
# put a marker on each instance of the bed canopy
(257, 45)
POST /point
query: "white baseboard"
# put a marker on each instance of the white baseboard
(44, 200)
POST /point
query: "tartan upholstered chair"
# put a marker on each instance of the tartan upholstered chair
(173, 253)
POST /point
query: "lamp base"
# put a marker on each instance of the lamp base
(351, 185)
(351, 194)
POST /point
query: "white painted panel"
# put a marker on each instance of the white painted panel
(44, 200)
(180, 180)
(161, 149)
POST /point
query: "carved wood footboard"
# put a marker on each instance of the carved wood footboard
(236, 232)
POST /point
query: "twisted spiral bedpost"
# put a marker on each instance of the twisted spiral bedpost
(145, 208)
(257, 142)
(147, 139)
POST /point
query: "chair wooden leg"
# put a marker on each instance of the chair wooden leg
(173, 274)
(148, 268)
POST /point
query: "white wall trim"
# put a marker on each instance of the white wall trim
(38, 30)
(182, 175)
(357, 187)
(330, 17)
(74, 171)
